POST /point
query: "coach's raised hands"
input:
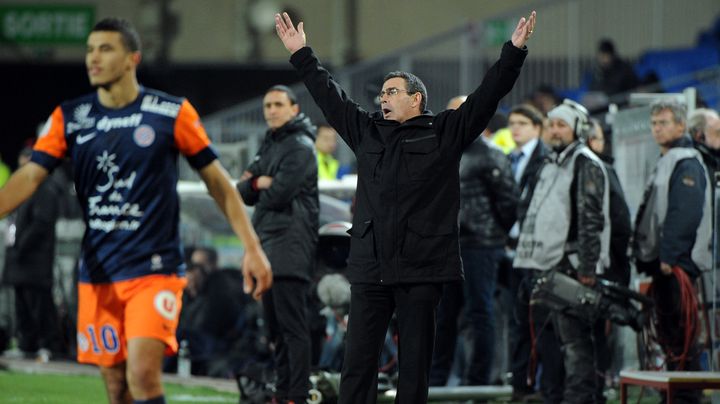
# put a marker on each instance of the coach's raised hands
(292, 38)
(523, 31)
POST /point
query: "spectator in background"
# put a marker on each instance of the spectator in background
(620, 227)
(544, 98)
(196, 274)
(704, 128)
(498, 133)
(607, 345)
(4, 172)
(282, 184)
(205, 256)
(214, 320)
(29, 259)
(526, 124)
(488, 203)
(612, 75)
(672, 241)
(325, 145)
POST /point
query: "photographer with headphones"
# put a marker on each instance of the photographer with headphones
(567, 229)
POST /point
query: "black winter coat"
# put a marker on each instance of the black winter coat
(29, 261)
(587, 219)
(614, 79)
(620, 228)
(408, 195)
(286, 214)
(711, 159)
(488, 196)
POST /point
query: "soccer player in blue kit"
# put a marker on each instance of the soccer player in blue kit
(124, 140)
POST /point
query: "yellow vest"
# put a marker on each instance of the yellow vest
(4, 173)
(327, 166)
(503, 139)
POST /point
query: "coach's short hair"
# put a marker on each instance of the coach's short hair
(414, 85)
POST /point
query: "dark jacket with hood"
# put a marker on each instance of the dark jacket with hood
(29, 260)
(711, 158)
(286, 214)
(405, 227)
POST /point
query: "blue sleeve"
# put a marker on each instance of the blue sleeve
(46, 160)
(202, 158)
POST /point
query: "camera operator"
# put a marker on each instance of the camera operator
(672, 238)
(567, 228)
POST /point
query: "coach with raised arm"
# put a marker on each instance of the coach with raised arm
(405, 232)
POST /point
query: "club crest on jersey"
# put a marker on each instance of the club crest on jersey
(144, 135)
(166, 304)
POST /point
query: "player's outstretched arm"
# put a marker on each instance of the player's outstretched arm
(292, 38)
(21, 185)
(256, 267)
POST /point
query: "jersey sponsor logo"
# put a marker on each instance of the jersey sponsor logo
(152, 103)
(82, 342)
(106, 124)
(108, 212)
(166, 304)
(81, 120)
(80, 139)
(144, 135)
(81, 112)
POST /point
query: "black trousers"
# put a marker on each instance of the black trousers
(547, 344)
(285, 308)
(36, 315)
(371, 308)
(585, 355)
(451, 304)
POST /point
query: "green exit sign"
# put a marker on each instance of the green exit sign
(46, 24)
(497, 32)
